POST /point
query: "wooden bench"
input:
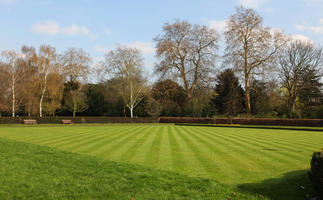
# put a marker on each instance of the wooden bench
(30, 121)
(67, 121)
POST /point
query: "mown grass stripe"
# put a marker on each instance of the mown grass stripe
(245, 148)
(130, 153)
(108, 151)
(178, 162)
(97, 144)
(83, 143)
(207, 165)
(227, 163)
(152, 156)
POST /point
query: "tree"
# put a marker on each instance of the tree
(126, 66)
(45, 61)
(250, 47)
(229, 94)
(311, 95)
(30, 82)
(75, 64)
(75, 101)
(171, 96)
(96, 102)
(54, 93)
(259, 98)
(13, 74)
(153, 107)
(3, 90)
(299, 63)
(187, 52)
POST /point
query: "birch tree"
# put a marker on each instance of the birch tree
(13, 73)
(251, 47)
(125, 64)
(187, 52)
(45, 61)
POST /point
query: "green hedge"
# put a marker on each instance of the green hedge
(245, 121)
(57, 120)
(316, 173)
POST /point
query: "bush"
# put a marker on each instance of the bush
(316, 173)
(245, 121)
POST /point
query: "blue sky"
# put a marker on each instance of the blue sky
(97, 25)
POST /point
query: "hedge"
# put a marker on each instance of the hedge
(245, 121)
(316, 173)
(57, 120)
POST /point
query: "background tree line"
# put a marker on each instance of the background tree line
(263, 73)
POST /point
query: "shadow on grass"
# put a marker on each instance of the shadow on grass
(291, 186)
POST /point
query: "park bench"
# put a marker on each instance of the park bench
(67, 121)
(30, 121)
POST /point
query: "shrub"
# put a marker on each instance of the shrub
(316, 173)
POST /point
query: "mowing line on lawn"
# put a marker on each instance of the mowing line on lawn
(93, 143)
(126, 153)
(281, 155)
(242, 145)
(98, 145)
(152, 155)
(57, 138)
(76, 137)
(209, 166)
(229, 163)
(178, 162)
(118, 143)
(91, 140)
(130, 154)
(165, 160)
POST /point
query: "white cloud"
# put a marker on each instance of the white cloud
(75, 30)
(218, 25)
(50, 28)
(251, 3)
(145, 47)
(53, 28)
(301, 38)
(317, 29)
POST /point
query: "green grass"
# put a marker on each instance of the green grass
(253, 161)
(34, 172)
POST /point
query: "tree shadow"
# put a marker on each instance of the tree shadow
(291, 186)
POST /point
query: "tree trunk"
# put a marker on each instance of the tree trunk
(41, 106)
(74, 113)
(13, 97)
(293, 104)
(247, 90)
(131, 112)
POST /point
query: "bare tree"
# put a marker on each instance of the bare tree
(14, 74)
(45, 61)
(76, 101)
(30, 82)
(126, 65)
(54, 93)
(186, 52)
(250, 47)
(75, 63)
(297, 63)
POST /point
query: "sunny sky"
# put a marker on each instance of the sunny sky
(97, 25)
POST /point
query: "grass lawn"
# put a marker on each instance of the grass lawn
(273, 163)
